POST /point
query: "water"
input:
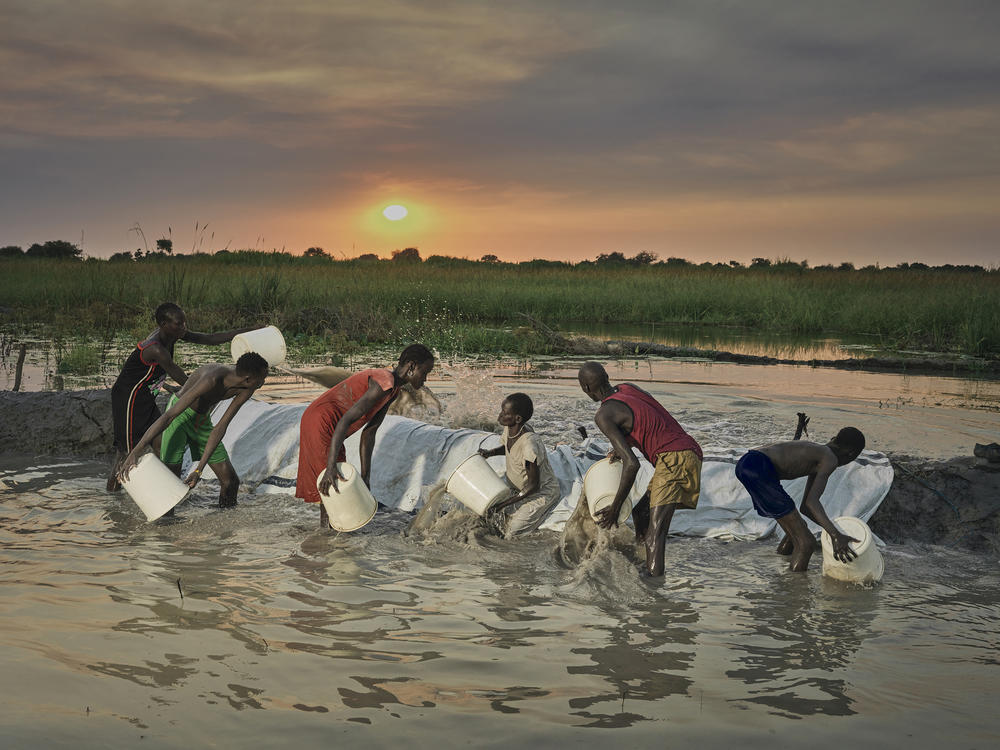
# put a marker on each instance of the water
(251, 627)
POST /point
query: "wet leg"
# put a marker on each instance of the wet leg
(640, 518)
(656, 537)
(785, 546)
(802, 541)
(324, 517)
(229, 483)
(176, 469)
(113, 484)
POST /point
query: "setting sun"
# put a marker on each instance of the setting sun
(395, 212)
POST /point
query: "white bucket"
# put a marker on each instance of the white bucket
(267, 342)
(476, 485)
(600, 485)
(867, 567)
(352, 506)
(153, 487)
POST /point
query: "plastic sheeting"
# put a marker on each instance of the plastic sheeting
(410, 456)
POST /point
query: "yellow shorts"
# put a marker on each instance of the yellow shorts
(676, 479)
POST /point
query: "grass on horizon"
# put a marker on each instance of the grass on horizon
(459, 307)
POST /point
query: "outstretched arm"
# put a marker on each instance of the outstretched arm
(609, 419)
(223, 337)
(352, 415)
(218, 432)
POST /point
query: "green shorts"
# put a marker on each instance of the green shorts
(189, 430)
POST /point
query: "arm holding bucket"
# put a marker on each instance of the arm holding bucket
(610, 418)
(530, 488)
(223, 337)
(215, 437)
(183, 402)
(813, 510)
(352, 415)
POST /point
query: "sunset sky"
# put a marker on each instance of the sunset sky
(825, 131)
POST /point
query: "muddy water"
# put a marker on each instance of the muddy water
(251, 628)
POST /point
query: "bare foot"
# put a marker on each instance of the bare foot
(228, 502)
(786, 546)
(801, 556)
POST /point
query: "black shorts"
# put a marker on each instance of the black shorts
(756, 472)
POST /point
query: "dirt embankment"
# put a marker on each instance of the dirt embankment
(954, 503)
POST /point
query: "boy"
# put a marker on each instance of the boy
(359, 401)
(187, 423)
(760, 471)
(133, 396)
(528, 469)
(629, 417)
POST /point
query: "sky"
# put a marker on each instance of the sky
(863, 132)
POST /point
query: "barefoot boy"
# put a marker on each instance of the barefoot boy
(629, 417)
(187, 424)
(761, 471)
(133, 396)
(359, 401)
(528, 469)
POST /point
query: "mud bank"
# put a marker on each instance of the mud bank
(954, 503)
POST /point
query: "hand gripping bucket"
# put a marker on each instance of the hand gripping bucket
(867, 567)
(352, 506)
(153, 487)
(267, 342)
(476, 485)
(600, 485)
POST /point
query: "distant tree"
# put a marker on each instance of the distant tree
(406, 255)
(124, 255)
(489, 258)
(760, 263)
(677, 262)
(643, 258)
(611, 259)
(845, 266)
(918, 266)
(11, 251)
(55, 249)
(368, 257)
(316, 252)
(165, 245)
(826, 267)
(735, 264)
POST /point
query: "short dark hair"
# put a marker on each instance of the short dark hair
(167, 310)
(251, 363)
(416, 353)
(851, 440)
(521, 404)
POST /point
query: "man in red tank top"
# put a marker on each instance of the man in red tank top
(629, 417)
(360, 401)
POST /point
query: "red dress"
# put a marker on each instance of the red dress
(320, 420)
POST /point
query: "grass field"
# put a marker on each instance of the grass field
(466, 306)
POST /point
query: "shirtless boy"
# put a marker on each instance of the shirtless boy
(187, 422)
(761, 471)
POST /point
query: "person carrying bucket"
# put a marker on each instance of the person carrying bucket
(133, 396)
(536, 487)
(187, 423)
(359, 401)
(761, 470)
(629, 417)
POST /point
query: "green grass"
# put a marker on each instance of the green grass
(463, 306)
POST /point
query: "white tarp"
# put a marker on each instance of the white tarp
(410, 456)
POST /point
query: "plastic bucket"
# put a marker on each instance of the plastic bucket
(867, 567)
(153, 487)
(600, 485)
(476, 485)
(352, 506)
(267, 342)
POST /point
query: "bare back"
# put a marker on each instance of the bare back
(209, 383)
(800, 458)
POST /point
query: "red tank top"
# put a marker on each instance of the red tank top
(335, 402)
(654, 431)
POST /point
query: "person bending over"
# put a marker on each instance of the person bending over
(630, 417)
(360, 401)
(188, 424)
(761, 470)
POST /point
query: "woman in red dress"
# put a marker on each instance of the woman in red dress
(360, 401)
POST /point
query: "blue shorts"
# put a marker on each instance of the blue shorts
(756, 472)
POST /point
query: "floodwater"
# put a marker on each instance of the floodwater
(251, 627)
